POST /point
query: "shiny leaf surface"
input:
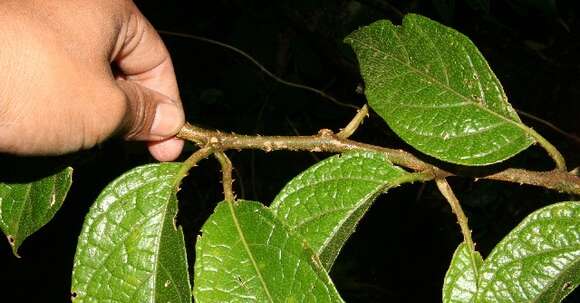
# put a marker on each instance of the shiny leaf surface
(26, 207)
(245, 254)
(325, 202)
(538, 261)
(460, 284)
(129, 249)
(437, 92)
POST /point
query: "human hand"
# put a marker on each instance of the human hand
(75, 72)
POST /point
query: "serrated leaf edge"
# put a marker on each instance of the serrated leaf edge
(530, 133)
(481, 291)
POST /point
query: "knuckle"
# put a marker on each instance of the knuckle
(139, 113)
(106, 117)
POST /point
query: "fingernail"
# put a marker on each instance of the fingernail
(165, 123)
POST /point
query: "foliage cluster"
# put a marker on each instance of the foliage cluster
(433, 88)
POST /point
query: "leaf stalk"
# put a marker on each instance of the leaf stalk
(353, 125)
(462, 220)
(227, 180)
(549, 148)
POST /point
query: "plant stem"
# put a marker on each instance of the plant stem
(227, 179)
(353, 125)
(324, 141)
(327, 141)
(447, 192)
(550, 149)
(561, 181)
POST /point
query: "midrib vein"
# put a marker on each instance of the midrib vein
(443, 85)
(248, 251)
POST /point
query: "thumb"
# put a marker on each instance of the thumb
(150, 115)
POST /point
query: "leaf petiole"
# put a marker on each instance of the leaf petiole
(548, 147)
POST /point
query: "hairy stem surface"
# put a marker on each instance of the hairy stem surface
(327, 141)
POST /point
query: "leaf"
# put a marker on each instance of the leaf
(437, 92)
(129, 249)
(26, 207)
(245, 254)
(325, 202)
(460, 284)
(538, 261)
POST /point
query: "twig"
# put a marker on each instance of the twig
(297, 133)
(327, 141)
(260, 66)
(447, 192)
(561, 181)
(353, 125)
(227, 179)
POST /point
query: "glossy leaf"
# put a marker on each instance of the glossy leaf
(26, 207)
(437, 92)
(325, 202)
(129, 249)
(538, 261)
(245, 254)
(460, 284)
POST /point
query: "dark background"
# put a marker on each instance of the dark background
(403, 246)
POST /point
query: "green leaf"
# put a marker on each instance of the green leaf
(437, 92)
(538, 261)
(26, 207)
(130, 249)
(325, 202)
(460, 284)
(245, 254)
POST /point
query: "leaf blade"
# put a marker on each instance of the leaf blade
(538, 261)
(246, 254)
(26, 207)
(129, 249)
(325, 202)
(437, 92)
(460, 283)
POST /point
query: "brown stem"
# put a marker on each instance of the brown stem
(324, 141)
(327, 141)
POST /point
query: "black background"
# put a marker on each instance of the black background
(403, 245)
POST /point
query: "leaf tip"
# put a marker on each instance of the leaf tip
(14, 244)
